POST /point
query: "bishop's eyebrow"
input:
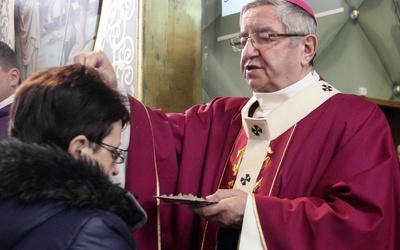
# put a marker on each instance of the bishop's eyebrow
(265, 29)
(258, 30)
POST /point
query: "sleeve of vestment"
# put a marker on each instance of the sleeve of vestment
(177, 153)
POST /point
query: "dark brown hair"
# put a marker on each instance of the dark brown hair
(8, 58)
(55, 105)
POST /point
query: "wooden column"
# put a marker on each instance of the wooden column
(169, 51)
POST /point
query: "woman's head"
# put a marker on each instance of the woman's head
(54, 106)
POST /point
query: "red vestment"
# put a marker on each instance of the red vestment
(337, 185)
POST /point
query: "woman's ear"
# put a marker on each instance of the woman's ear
(78, 145)
(310, 48)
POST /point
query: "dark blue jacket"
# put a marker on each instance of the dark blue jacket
(49, 200)
(4, 120)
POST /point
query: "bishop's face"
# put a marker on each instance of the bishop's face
(275, 65)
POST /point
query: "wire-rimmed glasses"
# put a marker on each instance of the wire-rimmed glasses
(257, 39)
(116, 153)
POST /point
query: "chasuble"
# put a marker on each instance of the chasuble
(331, 181)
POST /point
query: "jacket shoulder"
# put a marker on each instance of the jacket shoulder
(79, 228)
(102, 230)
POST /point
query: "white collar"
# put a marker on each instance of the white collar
(7, 101)
(269, 101)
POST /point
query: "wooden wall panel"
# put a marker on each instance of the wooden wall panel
(170, 48)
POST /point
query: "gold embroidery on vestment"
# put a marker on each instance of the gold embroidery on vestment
(267, 157)
(257, 185)
(265, 163)
(235, 168)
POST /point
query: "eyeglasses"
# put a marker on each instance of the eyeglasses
(116, 153)
(257, 39)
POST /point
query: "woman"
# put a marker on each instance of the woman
(55, 188)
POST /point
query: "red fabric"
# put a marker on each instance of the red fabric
(185, 144)
(265, 179)
(338, 185)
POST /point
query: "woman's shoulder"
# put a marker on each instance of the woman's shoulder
(89, 228)
(56, 225)
(100, 229)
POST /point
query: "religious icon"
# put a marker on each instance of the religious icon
(50, 32)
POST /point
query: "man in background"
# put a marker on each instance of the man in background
(9, 81)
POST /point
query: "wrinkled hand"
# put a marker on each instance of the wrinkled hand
(98, 60)
(229, 210)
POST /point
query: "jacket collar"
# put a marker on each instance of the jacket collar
(31, 172)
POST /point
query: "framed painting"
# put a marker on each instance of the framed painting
(49, 32)
(7, 22)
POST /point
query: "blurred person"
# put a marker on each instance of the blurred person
(75, 40)
(55, 169)
(29, 31)
(299, 165)
(9, 81)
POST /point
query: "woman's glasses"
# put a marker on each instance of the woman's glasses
(116, 153)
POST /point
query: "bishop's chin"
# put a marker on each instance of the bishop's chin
(255, 84)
